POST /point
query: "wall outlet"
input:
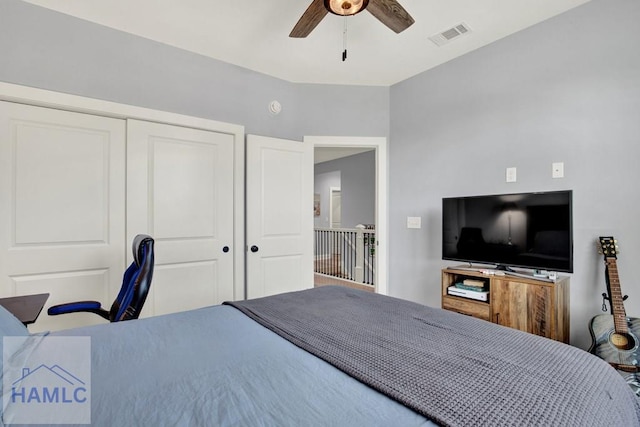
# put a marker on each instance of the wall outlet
(511, 175)
(557, 170)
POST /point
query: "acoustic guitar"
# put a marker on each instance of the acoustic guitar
(615, 337)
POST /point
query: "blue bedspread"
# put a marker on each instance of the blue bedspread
(216, 367)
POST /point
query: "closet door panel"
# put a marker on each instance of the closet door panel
(169, 284)
(184, 175)
(62, 207)
(180, 191)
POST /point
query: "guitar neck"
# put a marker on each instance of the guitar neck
(617, 305)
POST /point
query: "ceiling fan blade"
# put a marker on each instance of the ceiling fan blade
(309, 19)
(391, 14)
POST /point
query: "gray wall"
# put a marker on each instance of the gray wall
(565, 90)
(357, 184)
(46, 49)
(322, 183)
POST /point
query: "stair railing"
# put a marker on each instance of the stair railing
(346, 253)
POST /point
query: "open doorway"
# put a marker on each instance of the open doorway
(353, 145)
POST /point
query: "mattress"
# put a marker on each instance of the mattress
(217, 367)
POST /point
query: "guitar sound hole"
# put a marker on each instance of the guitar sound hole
(623, 341)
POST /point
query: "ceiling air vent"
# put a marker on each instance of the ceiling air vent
(452, 33)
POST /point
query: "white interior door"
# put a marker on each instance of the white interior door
(335, 208)
(62, 183)
(180, 191)
(279, 216)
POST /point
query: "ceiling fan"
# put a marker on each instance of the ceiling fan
(389, 12)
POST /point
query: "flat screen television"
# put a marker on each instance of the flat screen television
(529, 230)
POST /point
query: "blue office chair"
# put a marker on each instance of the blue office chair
(134, 290)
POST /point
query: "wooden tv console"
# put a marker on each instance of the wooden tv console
(529, 304)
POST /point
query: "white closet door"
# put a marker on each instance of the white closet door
(180, 191)
(279, 216)
(62, 183)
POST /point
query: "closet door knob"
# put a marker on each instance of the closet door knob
(225, 249)
(254, 249)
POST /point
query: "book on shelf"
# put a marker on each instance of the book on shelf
(474, 282)
(462, 285)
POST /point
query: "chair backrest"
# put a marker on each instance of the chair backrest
(136, 281)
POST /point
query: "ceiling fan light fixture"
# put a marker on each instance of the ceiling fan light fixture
(345, 7)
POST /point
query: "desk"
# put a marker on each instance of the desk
(26, 308)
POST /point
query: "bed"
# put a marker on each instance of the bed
(335, 356)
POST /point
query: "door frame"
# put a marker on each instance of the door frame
(379, 144)
(45, 98)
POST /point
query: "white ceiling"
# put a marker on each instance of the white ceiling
(255, 33)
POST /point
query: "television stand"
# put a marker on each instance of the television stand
(530, 276)
(516, 300)
(502, 270)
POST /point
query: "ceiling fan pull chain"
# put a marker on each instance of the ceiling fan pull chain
(344, 40)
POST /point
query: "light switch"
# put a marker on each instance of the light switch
(557, 170)
(414, 222)
(511, 175)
